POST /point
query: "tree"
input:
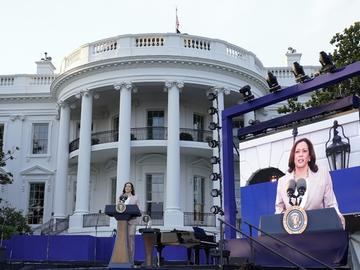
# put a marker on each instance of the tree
(347, 51)
(12, 220)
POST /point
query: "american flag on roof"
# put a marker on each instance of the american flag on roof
(177, 24)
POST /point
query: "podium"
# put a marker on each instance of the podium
(319, 220)
(149, 236)
(120, 254)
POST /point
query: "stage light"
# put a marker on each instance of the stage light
(272, 82)
(213, 143)
(326, 62)
(215, 192)
(213, 126)
(212, 110)
(211, 96)
(215, 176)
(216, 210)
(299, 73)
(338, 152)
(246, 93)
(214, 160)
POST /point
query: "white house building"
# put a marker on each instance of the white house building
(125, 108)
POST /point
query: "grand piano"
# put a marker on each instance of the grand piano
(194, 241)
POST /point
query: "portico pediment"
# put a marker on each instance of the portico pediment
(36, 170)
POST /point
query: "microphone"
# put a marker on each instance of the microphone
(291, 188)
(123, 198)
(301, 186)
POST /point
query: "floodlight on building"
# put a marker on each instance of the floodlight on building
(299, 73)
(272, 82)
(246, 93)
(216, 210)
(214, 160)
(211, 96)
(215, 176)
(326, 62)
(214, 126)
(215, 192)
(213, 143)
(212, 110)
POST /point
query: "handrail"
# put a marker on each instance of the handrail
(290, 246)
(258, 242)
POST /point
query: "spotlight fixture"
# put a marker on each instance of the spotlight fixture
(211, 96)
(246, 93)
(299, 73)
(215, 192)
(216, 210)
(213, 143)
(326, 62)
(212, 110)
(272, 82)
(213, 126)
(214, 160)
(215, 176)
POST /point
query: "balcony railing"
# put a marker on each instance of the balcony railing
(145, 133)
(199, 219)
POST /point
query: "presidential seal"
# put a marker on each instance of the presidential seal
(120, 207)
(295, 220)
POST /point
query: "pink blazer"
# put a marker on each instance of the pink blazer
(320, 193)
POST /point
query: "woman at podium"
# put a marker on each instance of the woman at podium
(317, 184)
(129, 197)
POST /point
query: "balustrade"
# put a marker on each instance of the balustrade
(5, 81)
(149, 41)
(145, 133)
(197, 44)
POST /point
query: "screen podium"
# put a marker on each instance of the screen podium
(120, 254)
(319, 220)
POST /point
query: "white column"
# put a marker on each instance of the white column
(83, 172)
(215, 152)
(173, 216)
(124, 153)
(60, 197)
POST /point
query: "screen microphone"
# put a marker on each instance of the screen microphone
(123, 198)
(291, 188)
(301, 186)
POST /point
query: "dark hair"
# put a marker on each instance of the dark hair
(312, 163)
(132, 188)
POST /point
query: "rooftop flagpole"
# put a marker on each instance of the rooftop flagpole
(177, 23)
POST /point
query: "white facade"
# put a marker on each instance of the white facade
(141, 103)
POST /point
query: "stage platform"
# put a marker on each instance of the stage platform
(77, 266)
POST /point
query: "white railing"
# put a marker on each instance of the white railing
(282, 72)
(7, 81)
(196, 43)
(162, 44)
(26, 83)
(154, 41)
(106, 46)
(42, 79)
